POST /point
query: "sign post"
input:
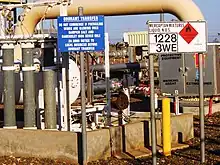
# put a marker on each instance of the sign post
(201, 109)
(81, 34)
(152, 108)
(181, 37)
(83, 100)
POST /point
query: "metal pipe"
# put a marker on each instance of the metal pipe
(88, 78)
(115, 67)
(201, 109)
(100, 87)
(181, 9)
(9, 86)
(83, 100)
(50, 99)
(131, 54)
(152, 107)
(107, 79)
(29, 86)
(161, 17)
(65, 74)
(49, 76)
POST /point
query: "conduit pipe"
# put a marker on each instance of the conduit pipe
(185, 10)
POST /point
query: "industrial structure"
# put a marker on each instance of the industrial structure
(40, 87)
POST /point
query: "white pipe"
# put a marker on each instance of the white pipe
(185, 10)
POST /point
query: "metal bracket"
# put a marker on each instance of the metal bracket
(8, 68)
(37, 67)
(17, 67)
(28, 68)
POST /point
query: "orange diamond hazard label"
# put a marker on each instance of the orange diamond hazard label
(188, 33)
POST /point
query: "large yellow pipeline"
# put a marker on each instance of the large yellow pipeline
(185, 10)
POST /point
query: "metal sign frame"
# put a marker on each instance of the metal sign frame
(167, 36)
(201, 97)
(81, 33)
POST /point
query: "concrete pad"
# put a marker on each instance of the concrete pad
(122, 155)
(174, 146)
(141, 152)
(178, 146)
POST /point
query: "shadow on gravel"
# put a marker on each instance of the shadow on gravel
(184, 155)
(216, 152)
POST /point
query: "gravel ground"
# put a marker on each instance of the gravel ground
(189, 156)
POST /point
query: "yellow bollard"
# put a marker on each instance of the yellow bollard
(166, 127)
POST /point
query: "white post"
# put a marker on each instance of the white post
(156, 101)
(2, 25)
(64, 111)
(107, 79)
(126, 111)
(177, 104)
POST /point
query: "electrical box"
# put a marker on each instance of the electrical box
(181, 72)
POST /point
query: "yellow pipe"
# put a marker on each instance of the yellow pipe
(166, 127)
(185, 10)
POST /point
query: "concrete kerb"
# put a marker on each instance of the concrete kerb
(101, 144)
(39, 143)
(195, 110)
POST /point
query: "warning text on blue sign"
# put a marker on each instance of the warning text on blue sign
(81, 33)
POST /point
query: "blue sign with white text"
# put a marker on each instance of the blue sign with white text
(81, 33)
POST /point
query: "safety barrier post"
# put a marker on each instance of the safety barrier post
(166, 126)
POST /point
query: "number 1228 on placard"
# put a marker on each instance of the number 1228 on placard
(164, 43)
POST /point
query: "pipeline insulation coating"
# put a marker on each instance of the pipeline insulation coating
(4, 68)
(8, 46)
(27, 45)
(28, 68)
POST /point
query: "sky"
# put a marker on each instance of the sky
(117, 25)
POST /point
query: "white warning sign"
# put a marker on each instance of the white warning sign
(177, 37)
